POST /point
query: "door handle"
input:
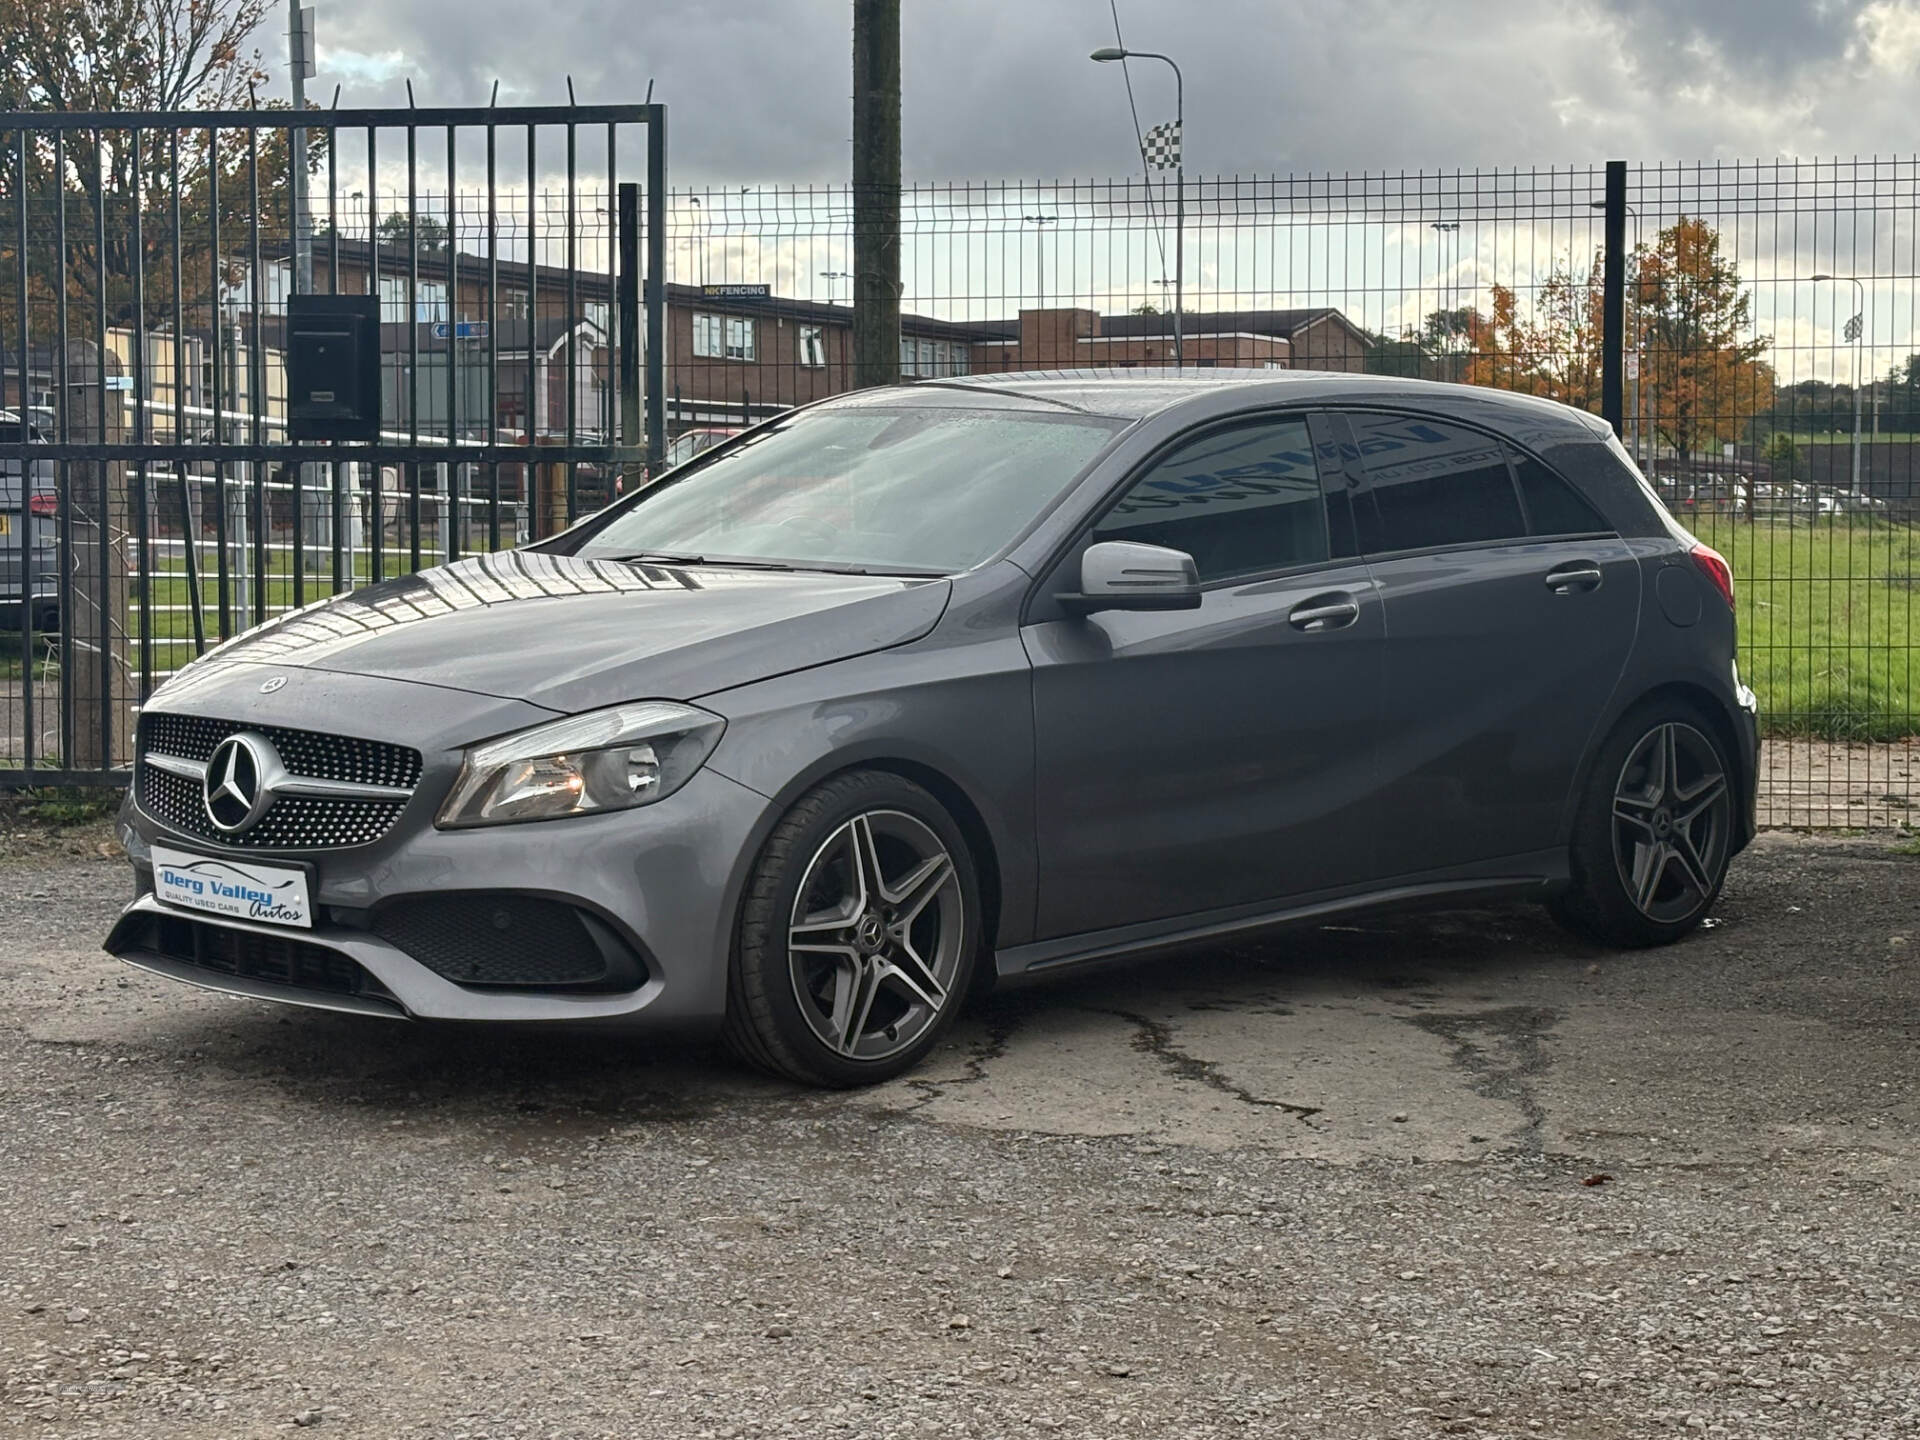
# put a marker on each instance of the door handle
(1568, 578)
(1324, 612)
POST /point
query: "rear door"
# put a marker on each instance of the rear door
(1192, 760)
(1510, 609)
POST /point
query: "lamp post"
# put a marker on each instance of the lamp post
(1114, 52)
(1442, 229)
(1855, 331)
(832, 275)
(1040, 251)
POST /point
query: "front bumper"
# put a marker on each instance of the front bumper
(663, 879)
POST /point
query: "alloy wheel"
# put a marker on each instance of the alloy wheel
(1672, 814)
(876, 934)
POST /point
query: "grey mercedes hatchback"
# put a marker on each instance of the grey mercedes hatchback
(924, 685)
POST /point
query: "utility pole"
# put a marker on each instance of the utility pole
(876, 192)
(300, 67)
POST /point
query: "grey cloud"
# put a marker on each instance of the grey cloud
(758, 89)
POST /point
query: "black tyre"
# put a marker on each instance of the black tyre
(1654, 830)
(857, 935)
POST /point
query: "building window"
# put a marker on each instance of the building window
(962, 358)
(429, 300)
(813, 347)
(723, 337)
(930, 357)
(909, 358)
(597, 315)
(511, 305)
(739, 338)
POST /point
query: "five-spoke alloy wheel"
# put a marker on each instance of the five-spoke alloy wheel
(876, 934)
(1671, 812)
(857, 934)
(1654, 831)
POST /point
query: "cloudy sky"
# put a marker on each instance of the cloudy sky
(999, 88)
(1002, 90)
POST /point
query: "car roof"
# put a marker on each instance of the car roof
(1137, 394)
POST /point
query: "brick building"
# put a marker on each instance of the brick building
(731, 357)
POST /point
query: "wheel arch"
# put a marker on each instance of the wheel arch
(1713, 708)
(953, 796)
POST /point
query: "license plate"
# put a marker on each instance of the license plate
(238, 889)
(6, 523)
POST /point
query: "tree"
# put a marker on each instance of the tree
(1702, 368)
(1782, 453)
(141, 55)
(429, 234)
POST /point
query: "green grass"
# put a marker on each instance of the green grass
(63, 807)
(1827, 623)
(1827, 617)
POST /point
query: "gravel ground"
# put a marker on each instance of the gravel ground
(1435, 1175)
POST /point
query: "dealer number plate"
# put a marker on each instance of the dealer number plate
(239, 890)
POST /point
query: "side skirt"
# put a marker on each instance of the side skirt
(1520, 876)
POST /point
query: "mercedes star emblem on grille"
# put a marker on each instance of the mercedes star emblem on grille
(238, 788)
(267, 687)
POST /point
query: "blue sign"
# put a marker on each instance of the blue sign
(464, 330)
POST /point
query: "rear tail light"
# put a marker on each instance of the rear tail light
(43, 504)
(1714, 566)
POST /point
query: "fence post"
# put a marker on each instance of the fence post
(658, 340)
(629, 244)
(102, 704)
(1613, 326)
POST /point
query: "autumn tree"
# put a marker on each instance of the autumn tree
(1702, 365)
(136, 55)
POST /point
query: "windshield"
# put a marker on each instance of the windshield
(902, 490)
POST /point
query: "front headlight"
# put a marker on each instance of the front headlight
(610, 759)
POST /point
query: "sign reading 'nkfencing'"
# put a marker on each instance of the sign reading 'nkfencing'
(736, 292)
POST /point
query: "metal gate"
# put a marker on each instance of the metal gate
(153, 501)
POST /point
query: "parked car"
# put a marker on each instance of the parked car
(684, 447)
(690, 443)
(32, 532)
(1001, 676)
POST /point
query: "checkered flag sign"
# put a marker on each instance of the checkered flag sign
(1160, 146)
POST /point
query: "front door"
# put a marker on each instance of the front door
(1200, 759)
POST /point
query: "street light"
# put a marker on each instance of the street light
(1040, 250)
(832, 275)
(1855, 331)
(1441, 230)
(1108, 53)
(694, 201)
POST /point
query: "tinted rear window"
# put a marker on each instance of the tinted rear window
(1553, 506)
(1434, 484)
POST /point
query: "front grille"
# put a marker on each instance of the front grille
(249, 955)
(485, 939)
(306, 752)
(296, 822)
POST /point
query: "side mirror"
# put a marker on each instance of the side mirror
(1121, 575)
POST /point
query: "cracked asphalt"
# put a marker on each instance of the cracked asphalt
(1439, 1174)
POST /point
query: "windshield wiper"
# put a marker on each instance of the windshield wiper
(670, 557)
(743, 562)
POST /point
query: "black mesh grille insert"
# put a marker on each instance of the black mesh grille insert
(281, 960)
(296, 822)
(306, 752)
(482, 939)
